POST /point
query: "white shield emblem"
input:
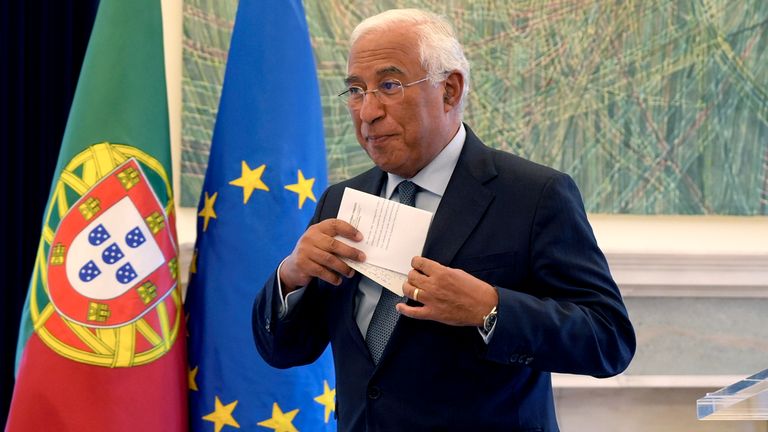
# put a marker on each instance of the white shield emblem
(112, 252)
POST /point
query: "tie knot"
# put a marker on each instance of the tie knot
(407, 192)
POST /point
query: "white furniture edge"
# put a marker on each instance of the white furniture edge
(645, 381)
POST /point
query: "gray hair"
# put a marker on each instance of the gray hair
(439, 49)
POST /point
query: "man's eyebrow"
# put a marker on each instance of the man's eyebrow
(389, 70)
(351, 79)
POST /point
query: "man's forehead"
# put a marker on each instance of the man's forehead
(379, 47)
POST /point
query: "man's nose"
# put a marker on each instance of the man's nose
(371, 108)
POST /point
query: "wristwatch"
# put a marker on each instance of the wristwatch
(489, 320)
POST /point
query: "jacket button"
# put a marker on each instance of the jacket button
(374, 392)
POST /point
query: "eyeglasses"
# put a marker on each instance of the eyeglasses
(387, 92)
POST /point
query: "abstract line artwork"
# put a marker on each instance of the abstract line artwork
(653, 106)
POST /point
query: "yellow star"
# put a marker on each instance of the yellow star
(222, 415)
(250, 180)
(280, 422)
(304, 188)
(207, 212)
(191, 375)
(327, 399)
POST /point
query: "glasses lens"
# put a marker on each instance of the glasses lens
(353, 95)
(388, 92)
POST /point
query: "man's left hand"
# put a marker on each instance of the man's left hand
(450, 296)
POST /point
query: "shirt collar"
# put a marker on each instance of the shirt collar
(435, 176)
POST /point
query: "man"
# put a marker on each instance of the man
(511, 285)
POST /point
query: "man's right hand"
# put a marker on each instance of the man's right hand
(318, 254)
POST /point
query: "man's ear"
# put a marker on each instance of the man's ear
(453, 88)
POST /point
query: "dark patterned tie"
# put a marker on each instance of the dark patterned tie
(385, 315)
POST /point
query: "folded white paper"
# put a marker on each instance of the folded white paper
(393, 234)
(389, 279)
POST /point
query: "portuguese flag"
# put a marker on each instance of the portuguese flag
(101, 345)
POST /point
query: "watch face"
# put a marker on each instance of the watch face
(489, 321)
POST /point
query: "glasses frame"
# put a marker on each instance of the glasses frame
(350, 97)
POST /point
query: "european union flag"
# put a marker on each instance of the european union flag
(266, 170)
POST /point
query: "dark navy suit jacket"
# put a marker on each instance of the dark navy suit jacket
(512, 223)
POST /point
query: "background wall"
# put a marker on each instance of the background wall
(654, 107)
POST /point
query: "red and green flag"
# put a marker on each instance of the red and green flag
(101, 345)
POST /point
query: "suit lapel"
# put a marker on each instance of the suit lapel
(370, 182)
(464, 202)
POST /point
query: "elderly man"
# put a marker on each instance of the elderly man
(511, 285)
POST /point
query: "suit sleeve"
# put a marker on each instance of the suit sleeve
(292, 340)
(576, 322)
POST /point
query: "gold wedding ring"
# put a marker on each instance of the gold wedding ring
(416, 294)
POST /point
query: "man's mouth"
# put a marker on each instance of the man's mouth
(377, 139)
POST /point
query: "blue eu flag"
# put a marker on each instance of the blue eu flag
(266, 170)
